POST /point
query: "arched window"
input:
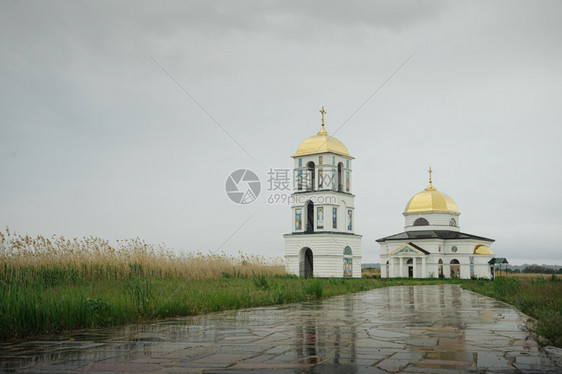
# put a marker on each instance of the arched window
(421, 222)
(309, 216)
(320, 217)
(347, 262)
(311, 177)
(298, 219)
(299, 180)
(455, 268)
(452, 222)
(340, 176)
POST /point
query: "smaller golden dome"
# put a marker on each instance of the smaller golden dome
(481, 249)
(431, 200)
(321, 143)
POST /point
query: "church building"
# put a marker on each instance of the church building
(323, 242)
(432, 244)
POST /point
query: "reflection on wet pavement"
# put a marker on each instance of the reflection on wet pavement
(410, 329)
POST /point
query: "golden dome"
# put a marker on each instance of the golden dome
(431, 200)
(321, 143)
(481, 249)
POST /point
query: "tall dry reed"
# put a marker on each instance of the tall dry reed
(28, 259)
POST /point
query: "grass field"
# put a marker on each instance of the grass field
(370, 272)
(55, 284)
(521, 276)
(49, 285)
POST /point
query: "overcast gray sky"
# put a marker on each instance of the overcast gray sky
(96, 139)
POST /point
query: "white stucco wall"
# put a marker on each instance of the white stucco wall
(328, 200)
(327, 251)
(440, 249)
(437, 221)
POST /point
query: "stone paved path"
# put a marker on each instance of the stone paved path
(410, 329)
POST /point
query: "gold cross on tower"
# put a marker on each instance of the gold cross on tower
(430, 171)
(323, 111)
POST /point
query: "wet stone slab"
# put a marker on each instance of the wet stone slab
(410, 329)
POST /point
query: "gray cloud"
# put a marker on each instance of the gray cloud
(97, 139)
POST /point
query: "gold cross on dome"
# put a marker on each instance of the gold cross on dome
(323, 111)
(430, 171)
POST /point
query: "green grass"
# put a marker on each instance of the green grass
(63, 302)
(71, 303)
(28, 309)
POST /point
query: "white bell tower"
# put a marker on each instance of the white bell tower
(322, 242)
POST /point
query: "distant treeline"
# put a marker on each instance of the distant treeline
(536, 269)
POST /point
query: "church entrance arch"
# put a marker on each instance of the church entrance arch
(306, 263)
(410, 264)
(440, 269)
(455, 269)
(309, 216)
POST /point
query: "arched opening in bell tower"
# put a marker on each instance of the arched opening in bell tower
(306, 263)
(311, 176)
(340, 177)
(309, 216)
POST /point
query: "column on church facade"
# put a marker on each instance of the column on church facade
(415, 260)
(401, 267)
(424, 271)
(391, 268)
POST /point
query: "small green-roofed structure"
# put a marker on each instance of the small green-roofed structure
(499, 260)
